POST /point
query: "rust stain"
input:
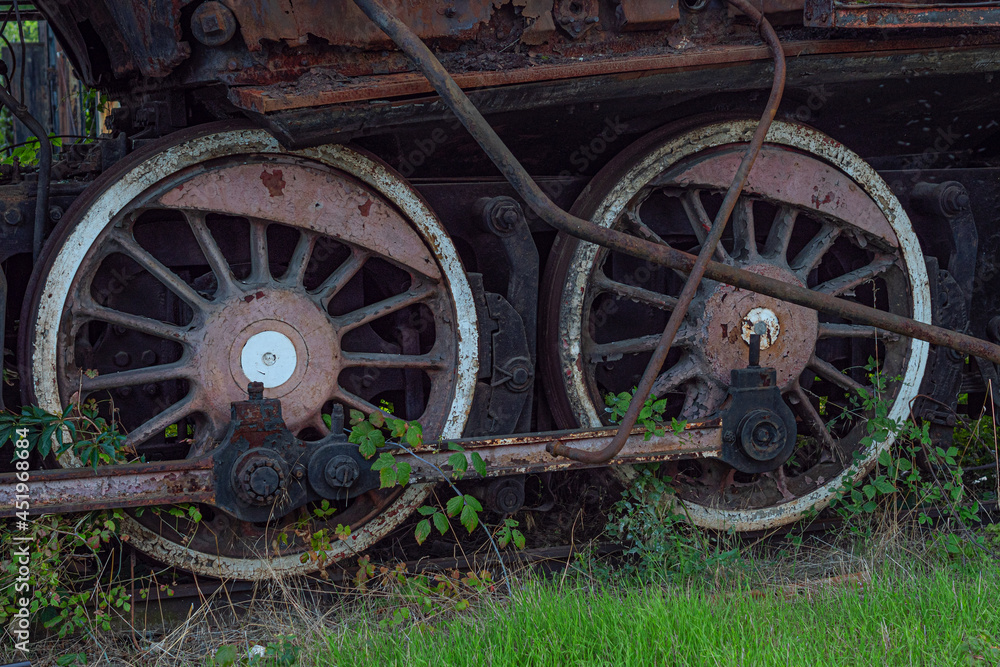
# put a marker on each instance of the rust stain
(274, 182)
(364, 208)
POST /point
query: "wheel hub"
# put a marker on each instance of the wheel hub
(250, 338)
(731, 315)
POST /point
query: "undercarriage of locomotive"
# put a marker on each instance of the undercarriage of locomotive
(227, 298)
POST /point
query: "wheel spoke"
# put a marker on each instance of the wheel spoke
(354, 401)
(848, 281)
(138, 323)
(136, 376)
(700, 222)
(702, 398)
(260, 272)
(683, 371)
(296, 272)
(213, 254)
(832, 330)
(320, 425)
(776, 246)
(157, 424)
(831, 373)
(380, 360)
(637, 226)
(634, 293)
(744, 234)
(340, 277)
(374, 311)
(599, 353)
(158, 270)
(804, 408)
(810, 256)
(634, 223)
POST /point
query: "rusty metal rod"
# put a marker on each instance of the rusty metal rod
(194, 480)
(660, 254)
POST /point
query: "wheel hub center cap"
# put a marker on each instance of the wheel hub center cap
(268, 357)
(771, 328)
(788, 332)
(274, 336)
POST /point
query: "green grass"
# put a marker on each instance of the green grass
(945, 617)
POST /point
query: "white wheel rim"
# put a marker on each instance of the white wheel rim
(659, 161)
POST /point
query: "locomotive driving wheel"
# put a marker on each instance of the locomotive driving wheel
(217, 258)
(812, 214)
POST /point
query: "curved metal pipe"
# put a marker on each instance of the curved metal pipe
(660, 254)
(44, 167)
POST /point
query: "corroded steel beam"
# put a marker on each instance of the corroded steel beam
(104, 487)
(527, 454)
(193, 480)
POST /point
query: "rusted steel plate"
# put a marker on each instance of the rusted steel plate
(343, 24)
(151, 32)
(281, 97)
(823, 192)
(645, 15)
(84, 489)
(831, 14)
(529, 454)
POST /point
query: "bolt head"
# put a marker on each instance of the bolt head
(122, 358)
(12, 216)
(341, 471)
(148, 357)
(264, 481)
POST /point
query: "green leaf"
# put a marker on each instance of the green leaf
(386, 478)
(426, 510)
(225, 656)
(385, 460)
(328, 420)
(883, 485)
(479, 464)
(377, 419)
(518, 538)
(472, 502)
(884, 459)
(469, 518)
(455, 447)
(440, 522)
(357, 417)
(414, 435)
(422, 531)
(458, 462)
(367, 449)
(403, 470)
(454, 505)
